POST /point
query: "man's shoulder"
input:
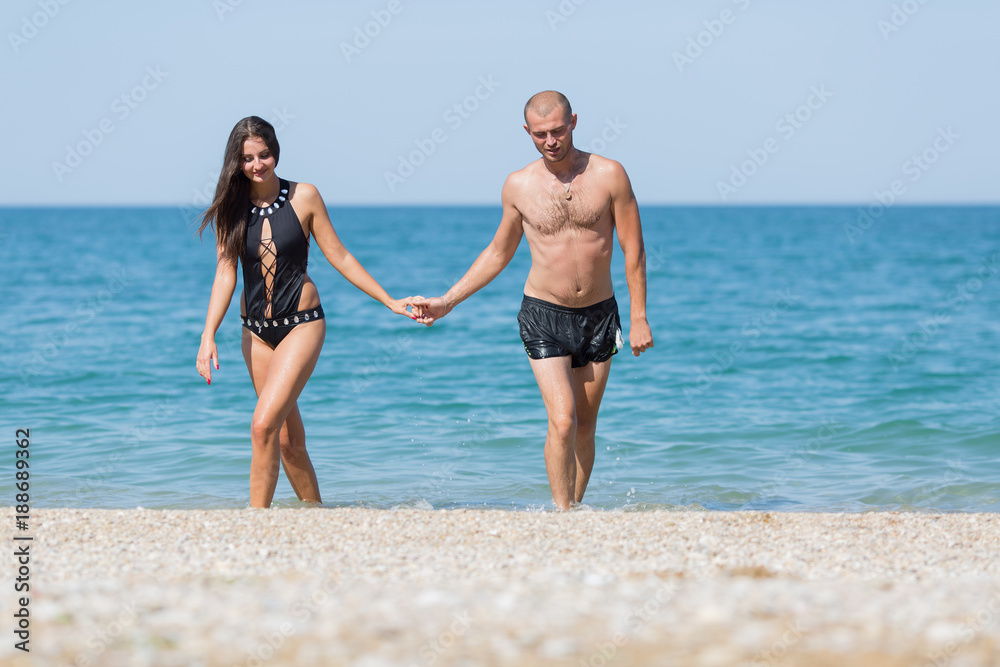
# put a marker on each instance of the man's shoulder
(526, 171)
(605, 165)
(609, 173)
(523, 176)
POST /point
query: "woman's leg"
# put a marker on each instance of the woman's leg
(295, 459)
(279, 376)
(292, 437)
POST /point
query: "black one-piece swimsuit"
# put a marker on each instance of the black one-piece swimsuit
(274, 269)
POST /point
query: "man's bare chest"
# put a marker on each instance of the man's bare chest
(551, 213)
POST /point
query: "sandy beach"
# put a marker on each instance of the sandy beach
(483, 587)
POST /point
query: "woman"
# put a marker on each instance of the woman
(265, 223)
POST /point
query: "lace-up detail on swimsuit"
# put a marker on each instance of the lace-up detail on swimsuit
(268, 258)
(274, 259)
(267, 252)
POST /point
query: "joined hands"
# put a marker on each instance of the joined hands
(425, 310)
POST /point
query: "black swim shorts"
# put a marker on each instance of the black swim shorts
(587, 334)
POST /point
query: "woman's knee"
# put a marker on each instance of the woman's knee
(290, 446)
(263, 430)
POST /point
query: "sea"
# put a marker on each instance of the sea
(807, 359)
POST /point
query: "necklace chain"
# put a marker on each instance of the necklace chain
(569, 195)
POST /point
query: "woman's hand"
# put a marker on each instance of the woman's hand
(429, 310)
(207, 354)
(400, 307)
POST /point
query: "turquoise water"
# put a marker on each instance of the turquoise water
(803, 362)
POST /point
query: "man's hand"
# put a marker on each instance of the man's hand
(640, 337)
(427, 310)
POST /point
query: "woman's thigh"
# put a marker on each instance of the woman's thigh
(279, 374)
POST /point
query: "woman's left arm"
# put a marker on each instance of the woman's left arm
(338, 255)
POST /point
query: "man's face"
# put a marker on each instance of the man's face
(552, 133)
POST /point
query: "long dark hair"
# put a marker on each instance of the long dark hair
(228, 212)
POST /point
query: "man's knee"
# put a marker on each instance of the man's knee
(564, 424)
(586, 426)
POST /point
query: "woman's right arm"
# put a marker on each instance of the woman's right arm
(218, 304)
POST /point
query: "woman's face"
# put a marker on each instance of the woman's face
(257, 160)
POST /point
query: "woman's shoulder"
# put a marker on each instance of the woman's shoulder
(304, 191)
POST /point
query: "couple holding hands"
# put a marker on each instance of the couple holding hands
(568, 204)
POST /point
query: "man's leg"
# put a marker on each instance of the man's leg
(588, 390)
(555, 380)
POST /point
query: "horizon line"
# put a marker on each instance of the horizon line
(694, 204)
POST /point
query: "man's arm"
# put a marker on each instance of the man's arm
(625, 211)
(487, 266)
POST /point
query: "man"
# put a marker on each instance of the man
(568, 205)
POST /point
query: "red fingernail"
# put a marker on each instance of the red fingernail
(210, 382)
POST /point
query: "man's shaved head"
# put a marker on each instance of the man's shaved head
(543, 103)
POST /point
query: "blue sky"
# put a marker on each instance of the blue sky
(401, 101)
